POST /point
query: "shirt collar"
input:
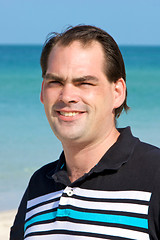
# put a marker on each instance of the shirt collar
(118, 154)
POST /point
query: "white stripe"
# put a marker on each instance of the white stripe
(122, 207)
(61, 237)
(45, 207)
(112, 231)
(44, 198)
(134, 195)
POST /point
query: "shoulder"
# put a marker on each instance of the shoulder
(146, 161)
(147, 152)
(43, 176)
(45, 170)
(40, 183)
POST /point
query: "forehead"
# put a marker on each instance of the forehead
(92, 44)
(77, 53)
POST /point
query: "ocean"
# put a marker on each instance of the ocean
(26, 140)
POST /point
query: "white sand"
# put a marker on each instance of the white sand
(6, 221)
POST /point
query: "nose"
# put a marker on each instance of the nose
(69, 94)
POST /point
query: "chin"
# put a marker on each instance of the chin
(71, 137)
(68, 133)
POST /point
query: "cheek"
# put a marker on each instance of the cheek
(99, 96)
(49, 96)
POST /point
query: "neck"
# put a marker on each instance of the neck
(81, 159)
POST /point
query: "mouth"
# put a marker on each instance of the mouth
(68, 114)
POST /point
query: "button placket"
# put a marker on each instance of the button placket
(64, 201)
(70, 192)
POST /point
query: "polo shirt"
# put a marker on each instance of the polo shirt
(119, 198)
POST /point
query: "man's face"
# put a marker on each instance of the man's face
(77, 97)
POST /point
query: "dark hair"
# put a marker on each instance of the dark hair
(114, 64)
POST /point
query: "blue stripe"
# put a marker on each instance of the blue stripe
(42, 217)
(86, 216)
(107, 218)
(62, 166)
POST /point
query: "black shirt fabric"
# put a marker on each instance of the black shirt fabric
(119, 198)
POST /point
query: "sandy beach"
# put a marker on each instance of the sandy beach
(6, 221)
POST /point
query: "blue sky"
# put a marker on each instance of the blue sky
(135, 22)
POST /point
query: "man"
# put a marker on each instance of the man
(106, 183)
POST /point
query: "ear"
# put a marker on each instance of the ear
(120, 92)
(41, 95)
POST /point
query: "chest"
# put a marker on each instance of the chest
(79, 213)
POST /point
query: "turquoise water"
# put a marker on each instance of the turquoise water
(26, 141)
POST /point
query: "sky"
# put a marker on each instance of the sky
(130, 22)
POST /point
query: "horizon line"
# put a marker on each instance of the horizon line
(121, 45)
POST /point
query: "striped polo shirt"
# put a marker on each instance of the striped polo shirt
(118, 199)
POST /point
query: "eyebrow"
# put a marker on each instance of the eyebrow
(85, 79)
(75, 80)
(50, 76)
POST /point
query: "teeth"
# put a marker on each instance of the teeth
(68, 114)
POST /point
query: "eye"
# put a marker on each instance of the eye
(54, 82)
(86, 84)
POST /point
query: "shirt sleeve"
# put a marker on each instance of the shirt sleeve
(154, 210)
(17, 230)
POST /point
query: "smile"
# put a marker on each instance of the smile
(69, 114)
